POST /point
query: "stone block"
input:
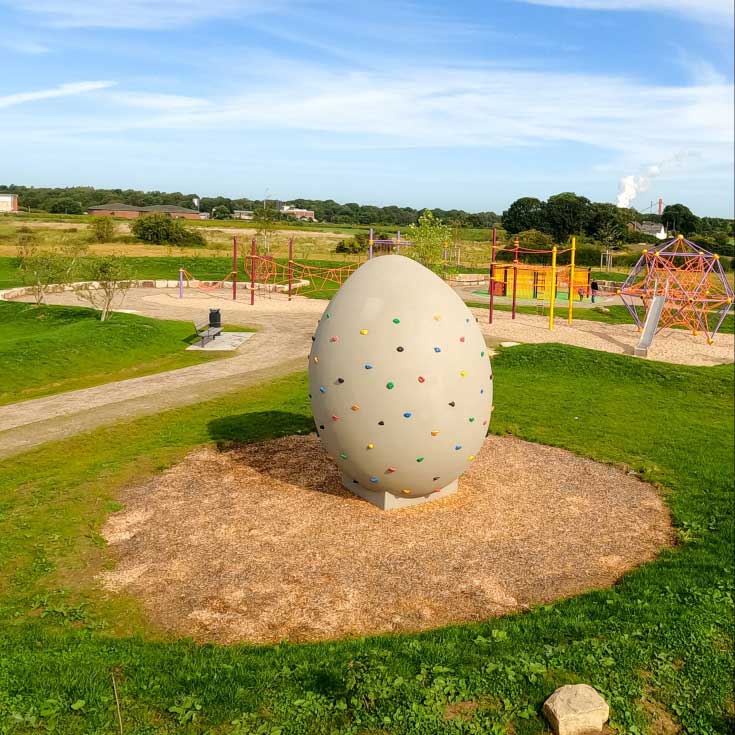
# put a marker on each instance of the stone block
(576, 709)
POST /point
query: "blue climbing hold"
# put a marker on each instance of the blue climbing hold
(458, 446)
(322, 389)
(373, 479)
(368, 366)
(407, 415)
(437, 349)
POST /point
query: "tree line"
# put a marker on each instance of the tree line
(76, 199)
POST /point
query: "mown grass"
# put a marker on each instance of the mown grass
(50, 349)
(663, 635)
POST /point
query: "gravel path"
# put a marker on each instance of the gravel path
(280, 346)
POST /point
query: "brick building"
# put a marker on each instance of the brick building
(8, 203)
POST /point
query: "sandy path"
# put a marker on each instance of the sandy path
(280, 346)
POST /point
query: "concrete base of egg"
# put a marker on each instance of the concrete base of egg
(400, 383)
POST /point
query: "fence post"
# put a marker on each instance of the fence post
(290, 268)
(491, 288)
(253, 251)
(181, 283)
(516, 245)
(570, 315)
(552, 298)
(234, 268)
(370, 243)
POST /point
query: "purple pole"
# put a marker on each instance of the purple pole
(370, 249)
(181, 283)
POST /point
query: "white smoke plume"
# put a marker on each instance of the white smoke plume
(629, 187)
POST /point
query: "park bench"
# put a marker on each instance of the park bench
(206, 332)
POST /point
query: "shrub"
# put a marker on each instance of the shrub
(159, 228)
(356, 244)
(103, 229)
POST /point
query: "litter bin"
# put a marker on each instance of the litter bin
(215, 318)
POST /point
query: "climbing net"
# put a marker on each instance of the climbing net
(270, 275)
(692, 282)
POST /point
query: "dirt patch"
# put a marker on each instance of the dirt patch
(261, 543)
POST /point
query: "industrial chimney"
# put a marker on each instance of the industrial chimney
(660, 206)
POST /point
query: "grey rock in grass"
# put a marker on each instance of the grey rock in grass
(575, 709)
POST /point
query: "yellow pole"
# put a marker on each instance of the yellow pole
(570, 316)
(552, 298)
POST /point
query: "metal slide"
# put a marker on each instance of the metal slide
(649, 328)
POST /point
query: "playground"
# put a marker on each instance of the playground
(218, 517)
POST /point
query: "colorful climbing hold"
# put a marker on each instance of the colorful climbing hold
(472, 418)
(391, 469)
(355, 407)
(363, 331)
(316, 359)
(422, 379)
(435, 433)
(335, 418)
(322, 389)
(390, 385)
(373, 479)
(461, 339)
(368, 366)
(458, 447)
(437, 349)
(419, 459)
(482, 390)
(371, 446)
(334, 339)
(343, 455)
(396, 321)
(406, 491)
(407, 415)
(463, 373)
(482, 354)
(437, 317)
(471, 457)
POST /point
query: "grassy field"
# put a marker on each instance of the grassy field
(50, 349)
(658, 643)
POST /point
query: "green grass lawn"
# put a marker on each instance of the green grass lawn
(49, 349)
(662, 637)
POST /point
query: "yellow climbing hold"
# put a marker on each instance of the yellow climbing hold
(316, 359)
(437, 317)
(371, 446)
(463, 373)
(363, 331)
(406, 492)
(435, 433)
(472, 456)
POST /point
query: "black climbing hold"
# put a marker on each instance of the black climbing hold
(436, 478)
(399, 349)
(381, 423)
(340, 380)
(452, 404)
(321, 426)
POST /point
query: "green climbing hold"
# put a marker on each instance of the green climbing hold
(396, 321)
(390, 386)
(343, 455)
(419, 459)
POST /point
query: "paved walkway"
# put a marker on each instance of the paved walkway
(279, 347)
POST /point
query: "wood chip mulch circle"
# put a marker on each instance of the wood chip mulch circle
(261, 543)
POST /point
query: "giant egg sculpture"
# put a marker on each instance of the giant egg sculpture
(400, 383)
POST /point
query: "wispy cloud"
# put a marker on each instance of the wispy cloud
(714, 11)
(139, 14)
(20, 45)
(63, 90)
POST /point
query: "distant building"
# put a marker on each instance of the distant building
(8, 203)
(128, 211)
(296, 213)
(648, 228)
(242, 214)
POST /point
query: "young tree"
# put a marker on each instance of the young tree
(43, 268)
(429, 236)
(103, 229)
(265, 219)
(105, 279)
(159, 228)
(221, 212)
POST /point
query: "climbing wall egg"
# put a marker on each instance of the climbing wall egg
(400, 383)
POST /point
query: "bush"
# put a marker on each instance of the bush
(159, 228)
(103, 229)
(357, 244)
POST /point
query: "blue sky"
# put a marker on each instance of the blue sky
(467, 104)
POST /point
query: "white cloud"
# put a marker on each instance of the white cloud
(23, 46)
(714, 11)
(139, 14)
(63, 90)
(159, 102)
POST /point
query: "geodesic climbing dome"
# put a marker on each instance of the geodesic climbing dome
(697, 293)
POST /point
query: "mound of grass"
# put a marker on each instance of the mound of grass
(49, 349)
(659, 641)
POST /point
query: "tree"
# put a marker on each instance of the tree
(566, 214)
(680, 218)
(536, 240)
(526, 213)
(105, 278)
(265, 219)
(45, 268)
(610, 234)
(103, 229)
(159, 228)
(221, 211)
(602, 215)
(429, 237)
(64, 205)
